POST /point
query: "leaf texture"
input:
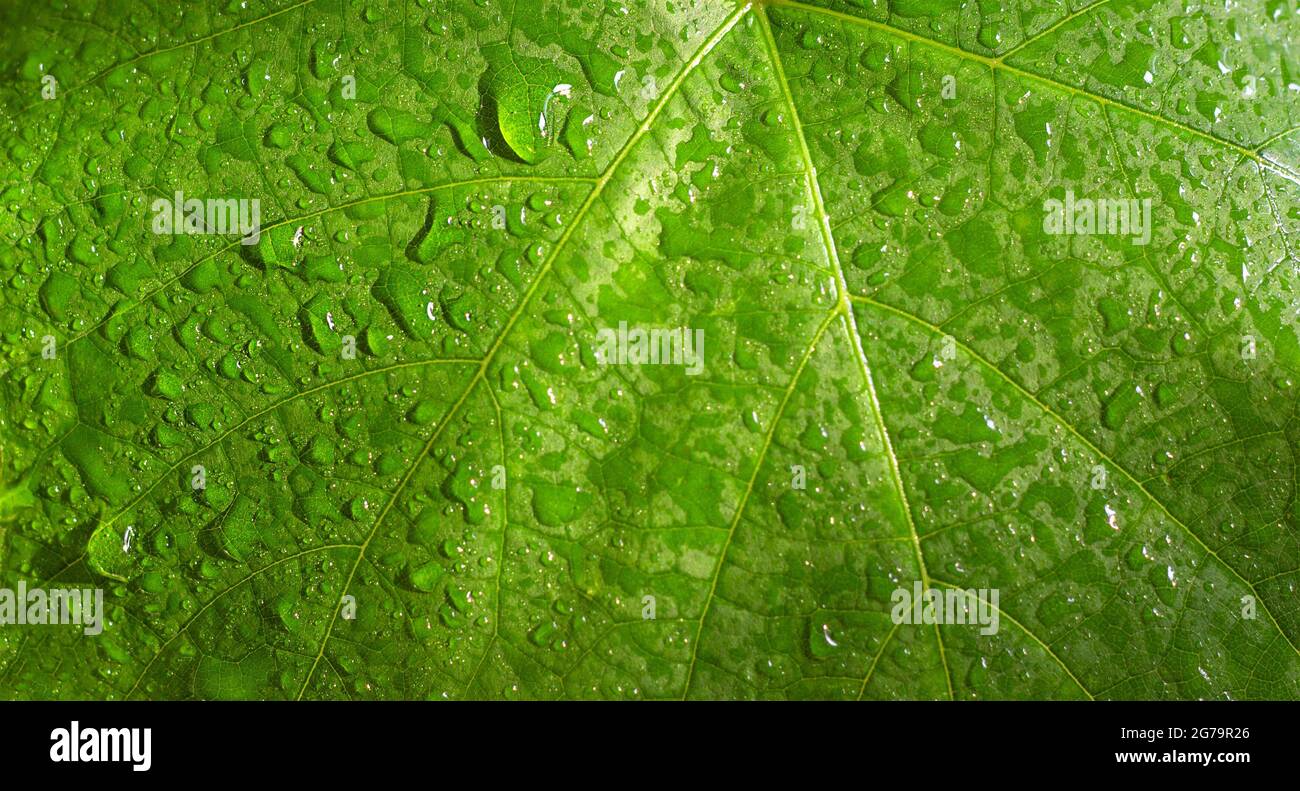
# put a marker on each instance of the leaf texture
(907, 377)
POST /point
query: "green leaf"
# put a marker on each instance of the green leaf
(402, 444)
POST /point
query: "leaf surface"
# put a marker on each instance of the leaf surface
(907, 379)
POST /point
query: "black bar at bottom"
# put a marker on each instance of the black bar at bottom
(658, 742)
